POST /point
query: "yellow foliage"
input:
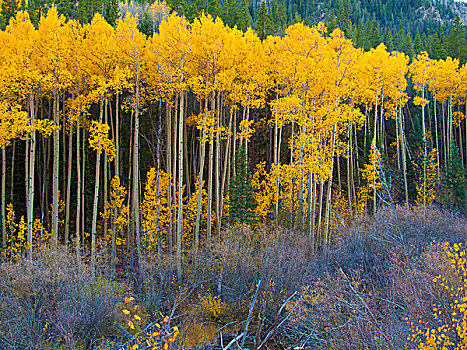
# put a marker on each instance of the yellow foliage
(156, 212)
(453, 333)
(213, 305)
(426, 189)
(16, 240)
(99, 141)
(117, 211)
(144, 335)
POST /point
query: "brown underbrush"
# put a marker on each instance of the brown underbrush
(256, 288)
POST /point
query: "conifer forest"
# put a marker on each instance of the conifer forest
(233, 175)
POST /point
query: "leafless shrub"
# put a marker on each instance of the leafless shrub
(53, 300)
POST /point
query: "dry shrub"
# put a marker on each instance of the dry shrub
(379, 276)
(53, 301)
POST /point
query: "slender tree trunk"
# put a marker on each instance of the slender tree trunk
(168, 132)
(210, 175)
(135, 174)
(180, 187)
(224, 176)
(218, 152)
(78, 189)
(200, 181)
(31, 169)
(3, 197)
(55, 175)
(68, 187)
(329, 192)
(12, 171)
(117, 136)
(96, 196)
(106, 171)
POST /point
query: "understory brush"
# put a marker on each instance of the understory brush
(377, 287)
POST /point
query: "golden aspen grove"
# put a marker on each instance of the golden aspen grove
(203, 187)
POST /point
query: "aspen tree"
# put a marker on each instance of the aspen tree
(176, 38)
(53, 49)
(130, 45)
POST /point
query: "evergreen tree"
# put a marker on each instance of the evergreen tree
(332, 22)
(343, 19)
(67, 8)
(244, 18)
(388, 41)
(400, 37)
(214, 8)
(241, 195)
(407, 46)
(282, 19)
(456, 43)
(360, 34)
(418, 43)
(9, 9)
(264, 23)
(453, 181)
(112, 12)
(230, 12)
(373, 35)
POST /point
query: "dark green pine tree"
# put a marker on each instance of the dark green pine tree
(281, 25)
(343, 15)
(440, 46)
(373, 35)
(241, 195)
(456, 43)
(418, 43)
(214, 8)
(67, 8)
(264, 23)
(331, 23)
(387, 39)
(360, 34)
(453, 181)
(407, 46)
(244, 18)
(112, 12)
(400, 37)
(230, 12)
(9, 9)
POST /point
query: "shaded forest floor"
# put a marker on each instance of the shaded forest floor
(361, 294)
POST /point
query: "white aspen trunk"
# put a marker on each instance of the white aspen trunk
(329, 193)
(200, 180)
(3, 194)
(180, 185)
(210, 175)
(68, 187)
(78, 189)
(96, 197)
(105, 179)
(218, 145)
(224, 176)
(135, 174)
(55, 172)
(436, 133)
(31, 169)
(168, 124)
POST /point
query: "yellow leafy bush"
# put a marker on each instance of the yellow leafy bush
(451, 332)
